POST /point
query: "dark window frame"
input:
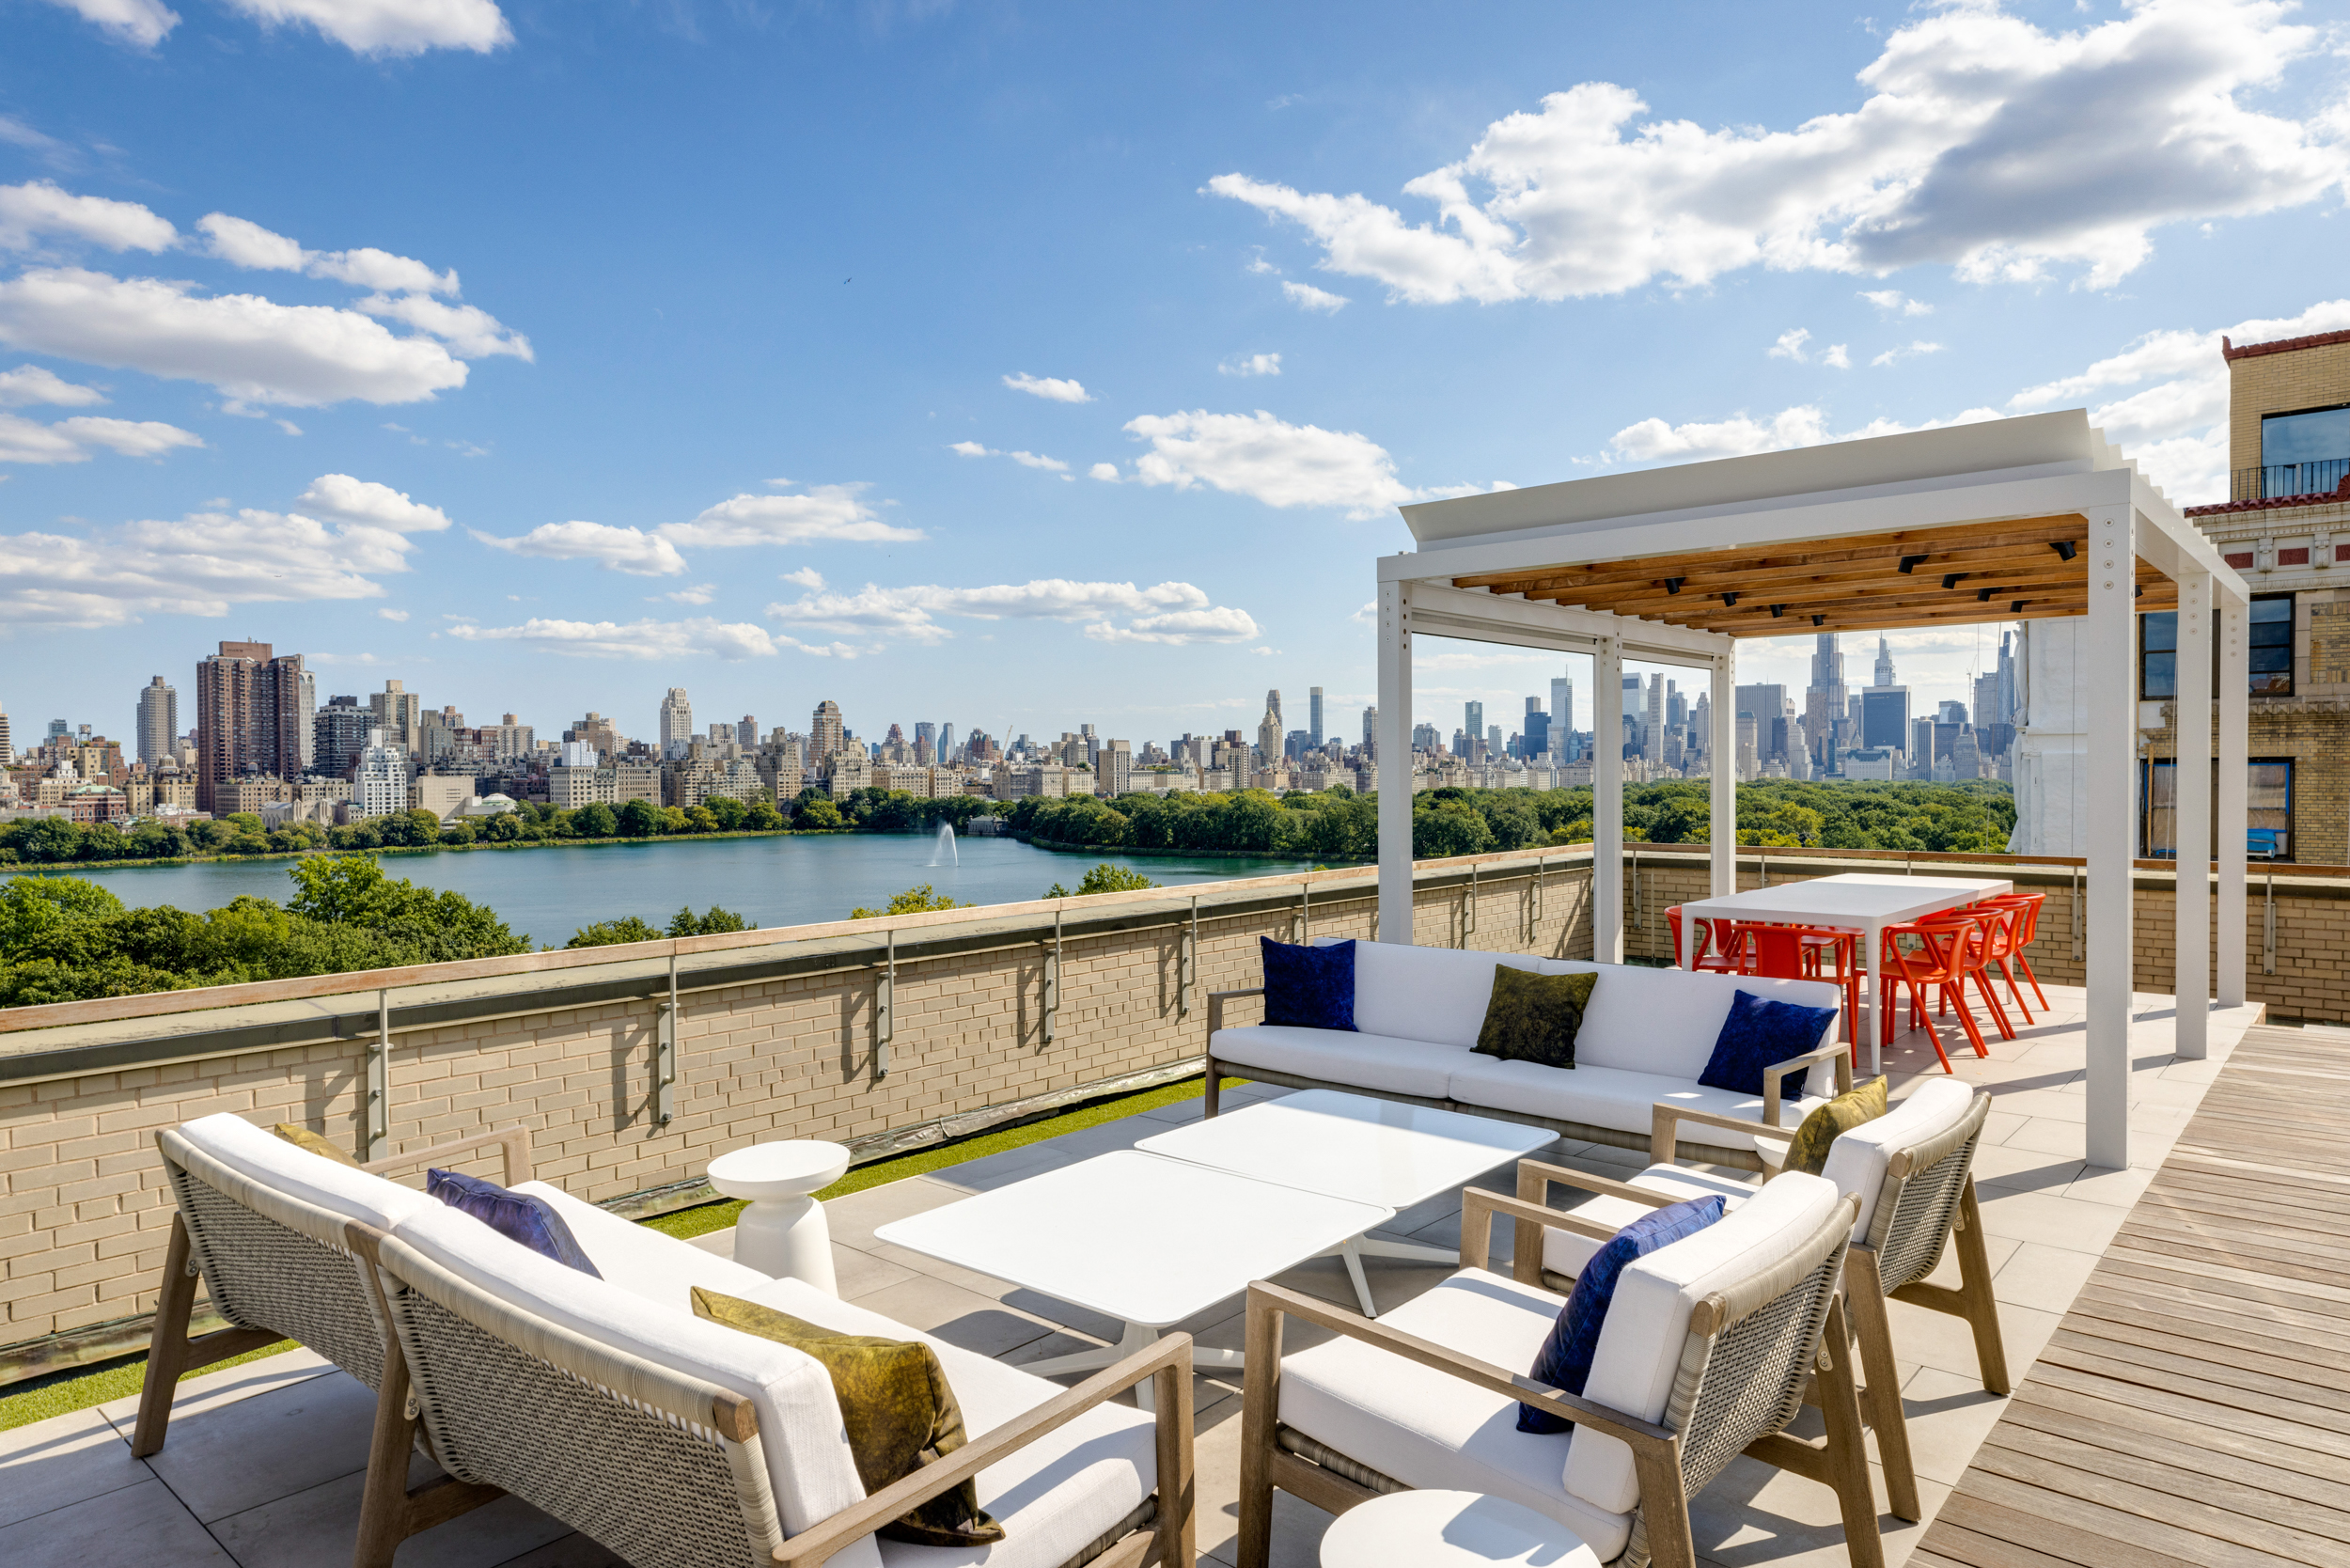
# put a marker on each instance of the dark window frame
(2277, 680)
(2158, 661)
(2157, 803)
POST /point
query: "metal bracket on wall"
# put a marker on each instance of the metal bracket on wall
(1305, 913)
(664, 1053)
(1468, 909)
(1763, 870)
(1052, 980)
(2268, 927)
(2079, 931)
(1639, 905)
(380, 1080)
(1187, 962)
(1534, 903)
(886, 1009)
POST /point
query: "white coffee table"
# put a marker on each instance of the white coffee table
(1352, 1145)
(1140, 1237)
(1449, 1529)
(784, 1230)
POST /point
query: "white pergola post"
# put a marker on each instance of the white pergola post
(1394, 740)
(2191, 795)
(2236, 705)
(2111, 768)
(1722, 767)
(1608, 800)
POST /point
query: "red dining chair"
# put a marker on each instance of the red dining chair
(2027, 907)
(1938, 962)
(1974, 964)
(1998, 922)
(1795, 952)
(1711, 935)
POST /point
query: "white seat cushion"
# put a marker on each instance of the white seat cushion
(806, 1449)
(262, 1156)
(1054, 1497)
(1639, 1347)
(1566, 1253)
(1429, 1430)
(1857, 1160)
(641, 1260)
(1667, 1020)
(1376, 1062)
(1434, 994)
(1609, 1097)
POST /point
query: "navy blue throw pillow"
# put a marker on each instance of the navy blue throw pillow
(1565, 1359)
(1311, 988)
(516, 1215)
(1759, 1034)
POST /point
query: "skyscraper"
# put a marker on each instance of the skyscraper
(159, 721)
(1269, 734)
(339, 735)
(746, 732)
(826, 736)
(946, 743)
(399, 714)
(677, 718)
(1273, 704)
(1313, 717)
(1370, 729)
(1652, 726)
(305, 707)
(1561, 718)
(1537, 732)
(247, 706)
(1824, 700)
(1473, 727)
(1884, 667)
(7, 750)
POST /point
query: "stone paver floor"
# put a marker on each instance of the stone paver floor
(264, 1463)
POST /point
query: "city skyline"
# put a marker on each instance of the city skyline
(1121, 430)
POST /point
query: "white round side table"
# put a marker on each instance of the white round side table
(783, 1231)
(1449, 1529)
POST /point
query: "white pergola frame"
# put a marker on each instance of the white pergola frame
(2040, 466)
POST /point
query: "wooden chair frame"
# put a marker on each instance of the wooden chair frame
(1839, 1462)
(172, 1353)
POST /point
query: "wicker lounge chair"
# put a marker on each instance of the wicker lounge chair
(1707, 1353)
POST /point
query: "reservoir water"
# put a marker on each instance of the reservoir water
(553, 890)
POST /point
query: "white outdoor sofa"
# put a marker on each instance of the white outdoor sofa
(1646, 1037)
(673, 1441)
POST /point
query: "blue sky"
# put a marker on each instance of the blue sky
(1022, 366)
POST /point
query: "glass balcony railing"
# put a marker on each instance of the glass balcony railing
(2321, 478)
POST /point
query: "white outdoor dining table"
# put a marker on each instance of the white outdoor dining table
(1855, 901)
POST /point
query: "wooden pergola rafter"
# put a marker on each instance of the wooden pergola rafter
(2031, 518)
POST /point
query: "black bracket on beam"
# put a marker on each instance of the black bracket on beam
(1950, 579)
(1911, 563)
(1983, 596)
(1673, 585)
(1778, 611)
(2063, 547)
(1819, 621)
(1730, 600)
(2016, 608)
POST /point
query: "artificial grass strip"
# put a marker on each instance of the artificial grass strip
(63, 1393)
(706, 1217)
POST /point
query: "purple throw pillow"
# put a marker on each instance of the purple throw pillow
(517, 1217)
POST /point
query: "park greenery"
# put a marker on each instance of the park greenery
(1104, 878)
(914, 900)
(606, 933)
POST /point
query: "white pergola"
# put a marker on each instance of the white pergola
(2011, 519)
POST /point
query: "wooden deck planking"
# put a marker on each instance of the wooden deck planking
(2193, 1408)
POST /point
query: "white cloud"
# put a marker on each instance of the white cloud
(701, 593)
(251, 349)
(1306, 297)
(242, 242)
(1654, 441)
(1837, 357)
(1273, 462)
(1251, 365)
(471, 333)
(1790, 344)
(631, 550)
(1985, 144)
(829, 511)
(1907, 350)
(38, 208)
(806, 577)
(1168, 612)
(201, 564)
(1051, 388)
(1367, 614)
(393, 614)
(1025, 460)
(1894, 303)
(700, 635)
(390, 27)
(23, 440)
(140, 24)
(28, 385)
(1105, 472)
(340, 498)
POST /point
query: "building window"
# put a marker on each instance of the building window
(2303, 453)
(2158, 654)
(2271, 650)
(2268, 809)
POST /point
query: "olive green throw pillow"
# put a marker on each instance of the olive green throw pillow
(302, 1137)
(1824, 1126)
(899, 1413)
(1534, 1017)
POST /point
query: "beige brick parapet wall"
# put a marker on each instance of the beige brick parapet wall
(776, 1039)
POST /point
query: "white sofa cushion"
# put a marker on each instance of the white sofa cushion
(1054, 1497)
(1566, 1253)
(1376, 1062)
(1666, 1021)
(265, 1158)
(800, 1430)
(641, 1260)
(1433, 994)
(1611, 1097)
(1427, 1429)
(1857, 1160)
(1640, 1348)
